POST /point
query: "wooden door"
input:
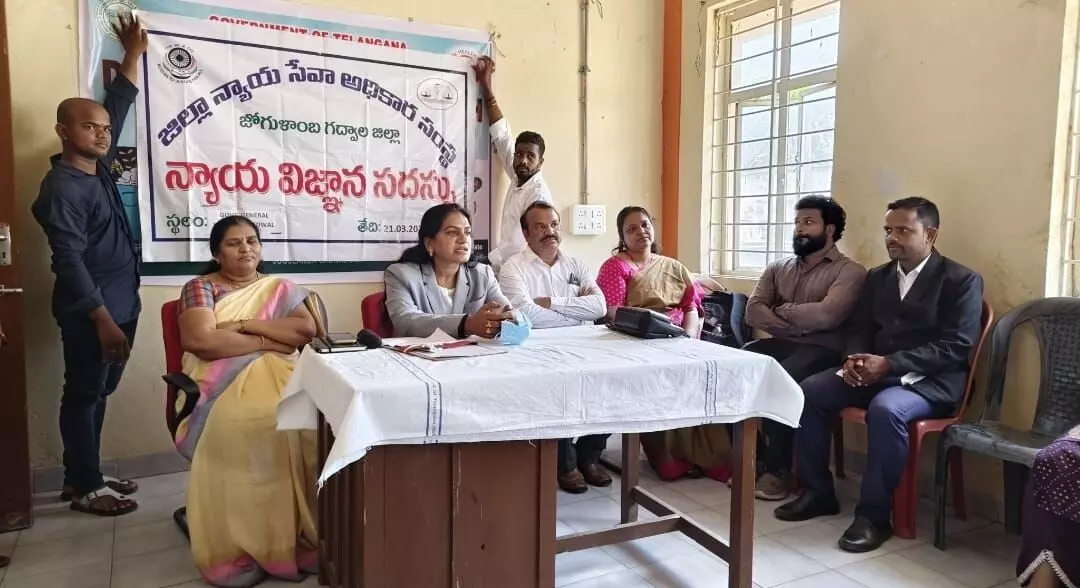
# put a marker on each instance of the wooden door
(15, 493)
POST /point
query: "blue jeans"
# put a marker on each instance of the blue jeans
(889, 406)
(88, 382)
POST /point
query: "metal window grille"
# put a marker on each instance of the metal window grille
(773, 114)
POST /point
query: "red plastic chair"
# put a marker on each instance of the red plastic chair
(376, 318)
(906, 496)
(175, 383)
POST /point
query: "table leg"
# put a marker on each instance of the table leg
(631, 469)
(323, 443)
(744, 458)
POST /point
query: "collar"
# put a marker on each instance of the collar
(62, 166)
(918, 269)
(831, 254)
(535, 179)
(532, 257)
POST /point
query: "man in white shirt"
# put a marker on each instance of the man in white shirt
(550, 287)
(521, 159)
(556, 290)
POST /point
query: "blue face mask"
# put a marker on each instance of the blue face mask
(515, 333)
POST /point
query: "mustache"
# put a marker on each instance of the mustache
(552, 238)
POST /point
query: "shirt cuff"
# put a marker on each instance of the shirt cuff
(559, 301)
(500, 129)
(123, 86)
(86, 304)
(910, 378)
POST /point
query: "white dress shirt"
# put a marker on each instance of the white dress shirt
(511, 241)
(525, 277)
(906, 281)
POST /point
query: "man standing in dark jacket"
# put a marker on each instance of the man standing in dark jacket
(907, 358)
(96, 294)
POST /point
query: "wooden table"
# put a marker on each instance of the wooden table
(479, 515)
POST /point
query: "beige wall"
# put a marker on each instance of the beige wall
(953, 100)
(537, 86)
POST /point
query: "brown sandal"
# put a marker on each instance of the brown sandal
(125, 487)
(104, 503)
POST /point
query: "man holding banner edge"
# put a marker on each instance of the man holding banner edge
(94, 257)
(521, 160)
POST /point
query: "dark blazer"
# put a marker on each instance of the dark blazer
(931, 332)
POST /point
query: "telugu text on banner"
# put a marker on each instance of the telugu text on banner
(334, 149)
(284, 107)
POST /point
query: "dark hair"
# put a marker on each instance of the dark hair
(430, 225)
(924, 209)
(534, 138)
(620, 222)
(831, 212)
(539, 204)
(217, 235)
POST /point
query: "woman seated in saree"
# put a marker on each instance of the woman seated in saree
(638, 275)
(252, 488)
(438, 285)
(1051, 517)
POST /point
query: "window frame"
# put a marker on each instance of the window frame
(721, 175)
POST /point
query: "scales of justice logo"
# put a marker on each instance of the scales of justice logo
(437, 94)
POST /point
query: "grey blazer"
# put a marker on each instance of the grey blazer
(417, 306)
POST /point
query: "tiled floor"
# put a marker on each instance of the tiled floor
(145, 549)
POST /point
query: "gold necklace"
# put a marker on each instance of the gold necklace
(236, 285)
(640, 266)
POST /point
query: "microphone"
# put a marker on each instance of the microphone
(369, 339)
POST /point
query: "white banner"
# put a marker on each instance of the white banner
(334, 149)
(334, 39)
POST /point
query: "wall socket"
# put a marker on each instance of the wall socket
(589, 219)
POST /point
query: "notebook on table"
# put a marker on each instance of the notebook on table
(440, 346)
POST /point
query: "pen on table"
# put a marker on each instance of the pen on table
(454, 344)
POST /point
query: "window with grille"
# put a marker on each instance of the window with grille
(773, 111)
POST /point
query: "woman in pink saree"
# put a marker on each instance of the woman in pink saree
(252, 488)
(638, 276)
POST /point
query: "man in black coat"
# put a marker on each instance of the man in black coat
(907, 358)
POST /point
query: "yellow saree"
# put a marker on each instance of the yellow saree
(252, 488)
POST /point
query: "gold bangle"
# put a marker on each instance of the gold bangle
(262, 342)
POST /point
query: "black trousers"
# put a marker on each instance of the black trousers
(800, 361)
(587, 450)
(88, 382)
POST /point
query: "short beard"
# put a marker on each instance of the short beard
(810, 246)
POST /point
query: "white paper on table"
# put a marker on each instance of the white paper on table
(439, 336)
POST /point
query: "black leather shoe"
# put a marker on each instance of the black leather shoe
(807, 507)
(863, 536)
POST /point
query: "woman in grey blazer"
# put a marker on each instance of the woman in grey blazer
(437, 284)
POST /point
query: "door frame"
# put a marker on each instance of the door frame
(15, 492)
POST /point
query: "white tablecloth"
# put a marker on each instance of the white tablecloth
(560, 383)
